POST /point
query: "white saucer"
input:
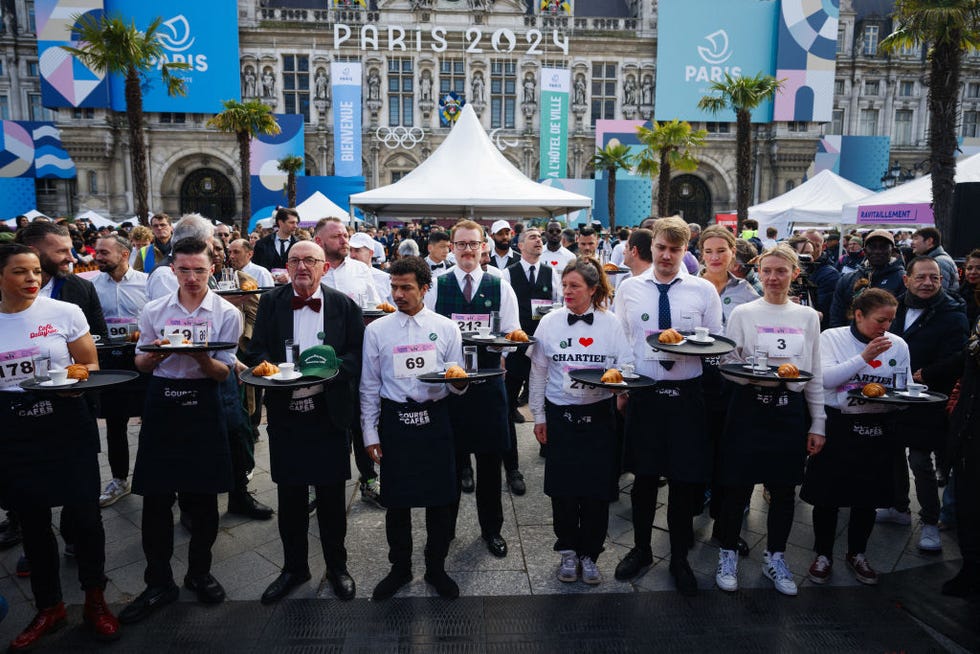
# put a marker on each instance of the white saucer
(707, 341)
(758, 371)
(50, 382)
(907, 394)
(278, 376)
(177, 345)
(488, 337)
(631, 377)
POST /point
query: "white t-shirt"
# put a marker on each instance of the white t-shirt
(47, 326)
(844, 369)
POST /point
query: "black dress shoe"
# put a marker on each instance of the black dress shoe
(282, 586)
(496, 545)
(687, 584)
(516, 482)
(342, 584)
(443, 583)
(391, 584)
(11, 536)
(245, 504)
(633, 563)
(466, 480)
(148, 601)
(517, 417)
(206, 587)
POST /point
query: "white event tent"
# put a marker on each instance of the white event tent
(816, 201)
(97, 219)
(319, 206)
(467, 176)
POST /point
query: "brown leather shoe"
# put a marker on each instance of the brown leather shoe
(45, 622)
(97, 615)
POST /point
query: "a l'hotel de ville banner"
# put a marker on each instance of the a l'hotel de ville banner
(701, 40)
(203, 35)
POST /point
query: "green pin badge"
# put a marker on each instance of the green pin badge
(645, 317)
(432, 336)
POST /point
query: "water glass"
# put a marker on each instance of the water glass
(199, 332)
(292, 351)
(495, 323)
(42, 363)
(760, 359)
(471, 362)
(900, 380)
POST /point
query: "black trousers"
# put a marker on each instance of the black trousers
(398, 529)
(294, 523)
(518, 371)
(859, 526)
(966, 476)
(778, 523)
(41, 549)
(580, 525)
(682, 500)
(489, 507)
(158, 534)
(117, 445)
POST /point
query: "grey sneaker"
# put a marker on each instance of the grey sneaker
(568, 570)
(590, 571)
(371, 492)
(114, 491)
(894, 516)
(930, 541)
(775, 568)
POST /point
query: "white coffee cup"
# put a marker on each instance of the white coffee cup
(483, 332)
(58, 376)
(176, 337)
(914, 389)
(629, 371)
(287, 370)
(701, 333)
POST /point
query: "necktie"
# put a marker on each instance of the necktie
(663, 316)
(587, 318)
(282, 247)
(530, 279)
(468, 288)
(313, 303)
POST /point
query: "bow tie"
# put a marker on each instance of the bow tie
(437, 266)
(587, 318)
(313, 303)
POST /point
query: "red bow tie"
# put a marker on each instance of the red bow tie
(313, 303)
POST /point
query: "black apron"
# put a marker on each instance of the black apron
(418, 459)
(764, 441)
(479, 418)
(855, 467)
(924, 427)
(305, 449)
(183, 441)
(127, 399)
(49, 451)
(583, 452)
(666, 432)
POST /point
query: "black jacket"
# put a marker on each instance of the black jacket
(935, 340)
(80, 291)
(266, 252)
(890, 278)
(824, 278)
(964, 424)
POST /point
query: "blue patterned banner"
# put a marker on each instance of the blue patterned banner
(65, 81)
(807, 59)
(33, 149)
(346, 77)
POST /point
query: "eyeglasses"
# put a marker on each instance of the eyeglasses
(468, 245)
(309, 262)
(193, 272)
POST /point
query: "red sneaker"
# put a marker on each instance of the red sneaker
(862, 570)
(45, 622)
(98, 616)
(820, 570)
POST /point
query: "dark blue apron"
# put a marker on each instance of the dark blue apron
(49, 450)
(418, 460)
(583, 452)
(183, 442)
(305, 449)
(479, 418)
(128, 399)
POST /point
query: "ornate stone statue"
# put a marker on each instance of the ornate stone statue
(530, 89)
(321, 83)
(646, 90)
(477, 86)
(480, 5)
(579, 89)
(425, 86)
(268, 83)
(629, 90)
(374, 85)
(421, 4)
(248, 85)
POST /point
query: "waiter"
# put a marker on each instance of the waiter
(183, 448)
(122, 292)
(407, 427)
(467, 296)
(666, 432)
(271, 251)
(307, 427)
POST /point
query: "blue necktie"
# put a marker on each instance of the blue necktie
(663, 315)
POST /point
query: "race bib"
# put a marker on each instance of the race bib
(781, 342)
(17, 366)
(651, 354)
(578, 389)
(120, 327)
(187, 329)
(850, 405)
(471, 322)
(410, 361)
(538, 304)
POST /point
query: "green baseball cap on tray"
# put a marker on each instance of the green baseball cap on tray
(319, 361)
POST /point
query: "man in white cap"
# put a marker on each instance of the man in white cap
(502, 255)
(362, 249)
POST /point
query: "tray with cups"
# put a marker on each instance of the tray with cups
(912, 394)
(593, 377)
(754, 372)
(451, 373)
(485, 338)
(287, 376)
(58, 380)
(697, 342)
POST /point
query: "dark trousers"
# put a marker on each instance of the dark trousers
(682, 500)
(966, 476)
(41, 549)
(580, 525)
(859, 526)
(240, 441)
(294, 523)
(518, 370)
(926, 486)
(398, 529)
(158, 534)
(117, 445)
(489, 509)
(778, 523)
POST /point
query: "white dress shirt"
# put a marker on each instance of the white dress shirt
(382, 284)
(387, 341)
(352, 278)
(161, 282)
(501, 261)
(618, 253)
(637, 306)
(224, 322)
(262, 275)
(122, 299)
(509, 317)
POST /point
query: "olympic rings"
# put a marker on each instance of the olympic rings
(406, 137)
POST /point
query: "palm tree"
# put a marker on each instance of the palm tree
(291, 164)
(612, 158)
(741, 94)
(107, 44)
(245, 120)
(668, 147)
(950, 27)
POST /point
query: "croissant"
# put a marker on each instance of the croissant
(612, 376)
(670, 336)
(387, 308)
(788, 371)
(265, 369)
(611, 267)
(77, 371)
(455, 372)
(248, 285)
(873, 390)
(518, 336)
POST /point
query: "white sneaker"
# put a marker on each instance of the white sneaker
(568, 570)
(930, 541)
(590, 571)
(727, 575)
(894, 516)
(775, 568)
(114, 491)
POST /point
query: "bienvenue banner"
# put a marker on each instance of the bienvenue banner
(555, 87)
(346, 85)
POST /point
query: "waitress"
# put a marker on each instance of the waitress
(577, 422)
(767, 435)
(855, 467)
(49, 446)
